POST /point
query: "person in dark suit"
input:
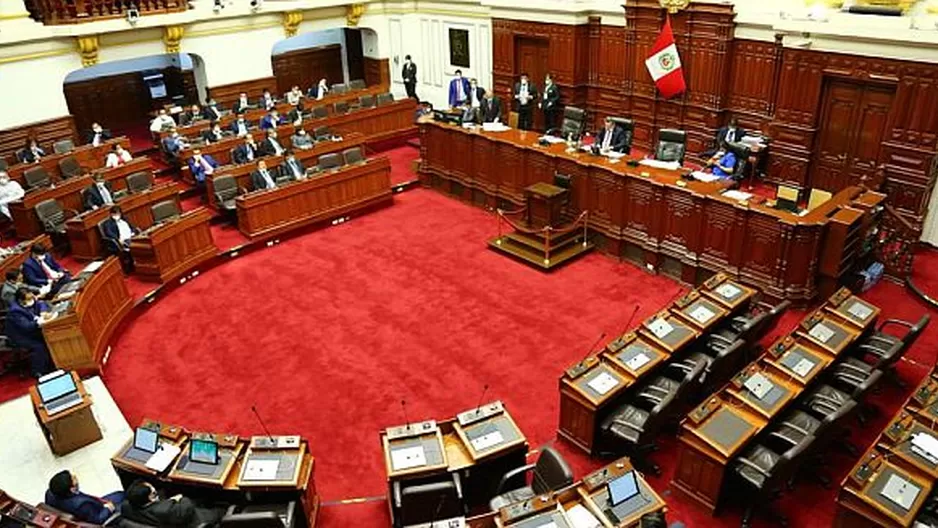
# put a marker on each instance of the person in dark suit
(213, 134)
(40, 269)
(295, 115)
(144, 505)
(272, 120)
(262, 178)
(14, 281)
(409, 75)
(242, 104)
(246, 152)
(23, 327)
(611, 138)
(32, 152)
(97, 135)
(64, 495)
(201, 165)
(241, 127)
(525, 95)
(318, 91)
(550, 102)
(271, 146)
(491, 109)
(98, 194)
(267, 100)
(117, 228)
(473, 109)
(211, 111)
(731, 133)
(292, 168)
(458, 90)
(173, 145)
(190, 116)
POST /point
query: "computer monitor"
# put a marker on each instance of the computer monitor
(146, 439)
(787, 197)
(204, 451)
(623, 488)
(56, 387)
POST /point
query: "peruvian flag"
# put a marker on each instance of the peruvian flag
(664, 64)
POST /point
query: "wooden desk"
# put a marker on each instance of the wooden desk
(7, 504)
(84, 236)
(70, 429)
(242, 173)
(79, 338)
(321, 196)
(164, 252)
(21, 253)
(686, 229)
(87, 156)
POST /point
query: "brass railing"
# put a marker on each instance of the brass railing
(79, 11)
(547, 232)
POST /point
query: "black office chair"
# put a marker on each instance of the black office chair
(628, 128)
(357, 84)
(164, 211)
(353, 155)
(755, 322)
(798, 425)
(260, 516)
(551, 472)
(425, 502)
(385, 99)
(322, 133)
(36, 178)
(139, 182)
(722, 365)
(340, 88)
(824, 400)
(63, 146)
(13, 359)
(573, 124)
(69, 167)
(366, 101)
(226, 190)
(672, 144)
(320, 112)
(53, 217)
(742, 152)
(340, 108)
(884, 350)
(634, 427)
(329, 161)
(765, 472)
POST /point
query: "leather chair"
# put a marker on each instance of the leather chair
(63, 146)
(574, 122)
(798, 425)
(139, 182)
(320, 112)
(742, 153)
(824, 400)
(4, 165)
(551, 472)
(357, 84)
(340, 108)
(12, 357)
(164, 211)
(260, 516)
(424, 502)
(366, 101)
(69, 167)
(885, 350)
(724, 364)
(385, 99)
(340, 88)
(672, 144)
(353, 155)
(636, 426)
(111, 245)
(226, 190)
(755, 323)
(329, 161)
(765, 472)
(628, 128)
(322, 133)
(52, 216)
(36, 178)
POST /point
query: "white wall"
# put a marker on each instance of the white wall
(153, 62)
(32, 90)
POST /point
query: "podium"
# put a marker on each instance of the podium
(544, 204)
(70, 429)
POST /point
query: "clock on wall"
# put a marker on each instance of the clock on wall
(673, 6)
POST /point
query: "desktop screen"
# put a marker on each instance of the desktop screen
(56, 387)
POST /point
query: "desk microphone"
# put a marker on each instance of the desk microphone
(575, 371)
(479, 406)
(264, 427)
(404, 410)
(631, 317)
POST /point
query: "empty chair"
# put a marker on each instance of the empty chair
(551, 472)
(226, 190)
(726, 362)
(330, 161)
(353, 155)
(69, 167)
(884, 350)
(764, 472)
(672, 144)
(322, 133)
(260, 516)
(340, 88)
(628, 130)
(426, 502)
(63, 146)
(164, 211)
(320, 112)
(340, 108)
(798, 425)
(634, 427)
(52, 216)
(366, 101)
(574, 120)
(824, 400)
(139, 182)
(36, 177)
(385, 98)
(753, 325)
(357, 84)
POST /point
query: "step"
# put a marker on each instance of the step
(537, 242)
(562, 255)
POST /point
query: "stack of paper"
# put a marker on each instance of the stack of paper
(758, 385)
(580, 517)
(900, 491)
(552, 139)
(670, 165)
(638, 361)
(859, 310)
(92, 267)
(486, 441)
(408, 457)
(704, 176)
(163, 457)
(728, 291)
(660, 328)
(702, 314)
(739, 196)
(926, 443)
(261, 470)
(603, 383)
(495, 127)
(821, 332)
(803, 367)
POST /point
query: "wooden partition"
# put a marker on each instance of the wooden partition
(377, 72)
(226, 94)
(304, 67)
(46, 132)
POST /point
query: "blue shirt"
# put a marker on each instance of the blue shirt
(728, 160)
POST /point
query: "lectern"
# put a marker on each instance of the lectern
(545, 204)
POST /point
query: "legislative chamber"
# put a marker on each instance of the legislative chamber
(484, 264)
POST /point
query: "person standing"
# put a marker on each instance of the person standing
(409, 74)
(550, 102)
(458, 90)
(525, 95)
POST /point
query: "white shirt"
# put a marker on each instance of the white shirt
(114, 159)
(321, 92)
(475, 97)
(524, 91)
(294, 166)
(730, 132)
(293, 98)
(268, 102)
(124, 232)
(161, 121)
(460, 92)
(242, 128)
(267, 179)
(278, 150)
(96, 140)
(242, 102)
(105, 194)
(10, 192)
(205, 165)
(607, 139)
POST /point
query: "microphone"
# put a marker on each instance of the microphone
(479, 406)
(404, 411)
(576, 370)
(264, 427)
(618, 342)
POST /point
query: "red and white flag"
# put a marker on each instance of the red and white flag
(664, 64)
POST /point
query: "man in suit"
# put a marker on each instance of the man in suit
(116, 227)
(473, 110)
(272, 120)
(40, 269)
(240, 126)
(611, 138)
(271, 145)
(64, 495)
(174, 144)
(190, 116)
(162, 121)
(525, 96)
(550, 102)
(246, 152)
(731, 133)
(292, 168)
(144, 505)
(98, 194)
(295, 115)
(262, 178)
(242, 104)
(98, 134)
(301, 140)
(211, 111)
(14, 281)
(409, 75)
(10, 191)
(32, 152)
(201, 165)
(214, 134)
(267, 100)
(458, 90)
(24, 321)
(491, 109)
(319, 90)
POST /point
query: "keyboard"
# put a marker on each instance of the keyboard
(65, 402)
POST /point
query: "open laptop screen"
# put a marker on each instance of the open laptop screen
(56, 387)
(204, 451)
(623, 488)
(146, 439)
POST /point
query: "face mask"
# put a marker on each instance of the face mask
(4, 181)
(28, 304)
(115, 217)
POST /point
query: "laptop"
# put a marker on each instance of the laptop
(622, 490)
(146, 444)
(58, 392)
(786, 198)
(203, 451)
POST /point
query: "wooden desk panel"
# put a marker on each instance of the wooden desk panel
(266, 213)
(82, 230)
(16, 259)
(175, 247)
(78, 339)
(87, 156)
(70, 429)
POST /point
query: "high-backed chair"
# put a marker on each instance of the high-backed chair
(357, 84)
(635, 426)
(36, 178)
(419, 503)
(366, 101)
(742, 153)
(574, 122)
(672, 144)
(353, 155)
(139, 182)
(69, 167)
(884, 350)
(340, 88)
(322, 133)
(329, 161)
(385, 99)
(551, 472)
(824, 400)
(165, 210)
(226, 190)
(53, 217)
(765, 473)
(798, 425)
(320, 112)
(260, 516)
(755, 322)
(340, 108)
(628, 129)
(726, 362)
(63, 146)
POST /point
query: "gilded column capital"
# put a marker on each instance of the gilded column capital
(88, 47)
(353, 13)
(291, 22)
(172, 35)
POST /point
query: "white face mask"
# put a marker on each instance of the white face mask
(4, 181)
(115, 217)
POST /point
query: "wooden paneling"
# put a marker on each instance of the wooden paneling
(226, 94)
(46, 133)
(377, 72)
(305, 67)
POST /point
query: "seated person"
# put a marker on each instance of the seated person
(63, 494)
(319, 91)
(731, 133)
(214, 134)
(162, 121)
(271, 146)
(491, 109)
(268, 101)
(98, 194)
(40, 269)
(242, 105)
(294, 95)
(201, 165)
(263, 179)
(611, 138)
(722, 164)
(98, 135)
(246, 152)
(143, 504)
(272, 120)
(32, 152)
(211, 111)
(174, 144)
(23, 327)
(292, 168)
(117, 157)
(119, 229)
(193, 114)
(302, 140)
(295, 116)
(240, 127)
(14, 281)
(10, 191)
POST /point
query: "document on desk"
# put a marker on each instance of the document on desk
(739, 196)
(705, 177)
(803, 367)
(926, 443)
(701, 314)
(603, 383)
(553, 140)
(580, 517)
(488, 440)
(758, 385)
(261, 470)
(495, 127)
(92, 267)
(728, 291)
(613, 155)
(660, 328)
(900, 491)
(163, 457)
(859, 310)
(638, 361)
(408, 457)
(669, 165)
(821, 332)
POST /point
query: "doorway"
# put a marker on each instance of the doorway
(531, 56)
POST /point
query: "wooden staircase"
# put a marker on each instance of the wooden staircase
(533, 247)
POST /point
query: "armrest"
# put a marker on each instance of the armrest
(783, 438)
(796, 428)
(507, 477)
(878, 352)
(650, 397)
(752, 466)
(457, 480)
(827, 405)
(396, 491)
(899, 322)
(854, 368)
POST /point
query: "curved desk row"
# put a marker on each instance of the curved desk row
(20, 253)
(87, 156)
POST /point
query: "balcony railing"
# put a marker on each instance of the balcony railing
(79, 11)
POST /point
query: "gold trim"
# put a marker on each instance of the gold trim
(88, 48)
(353, 14)
(441, 12)
(14, 17)
(172, 35)
(37, 55)
(232, 29)
(291, 22)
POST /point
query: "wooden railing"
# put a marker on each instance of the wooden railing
(78, 11)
